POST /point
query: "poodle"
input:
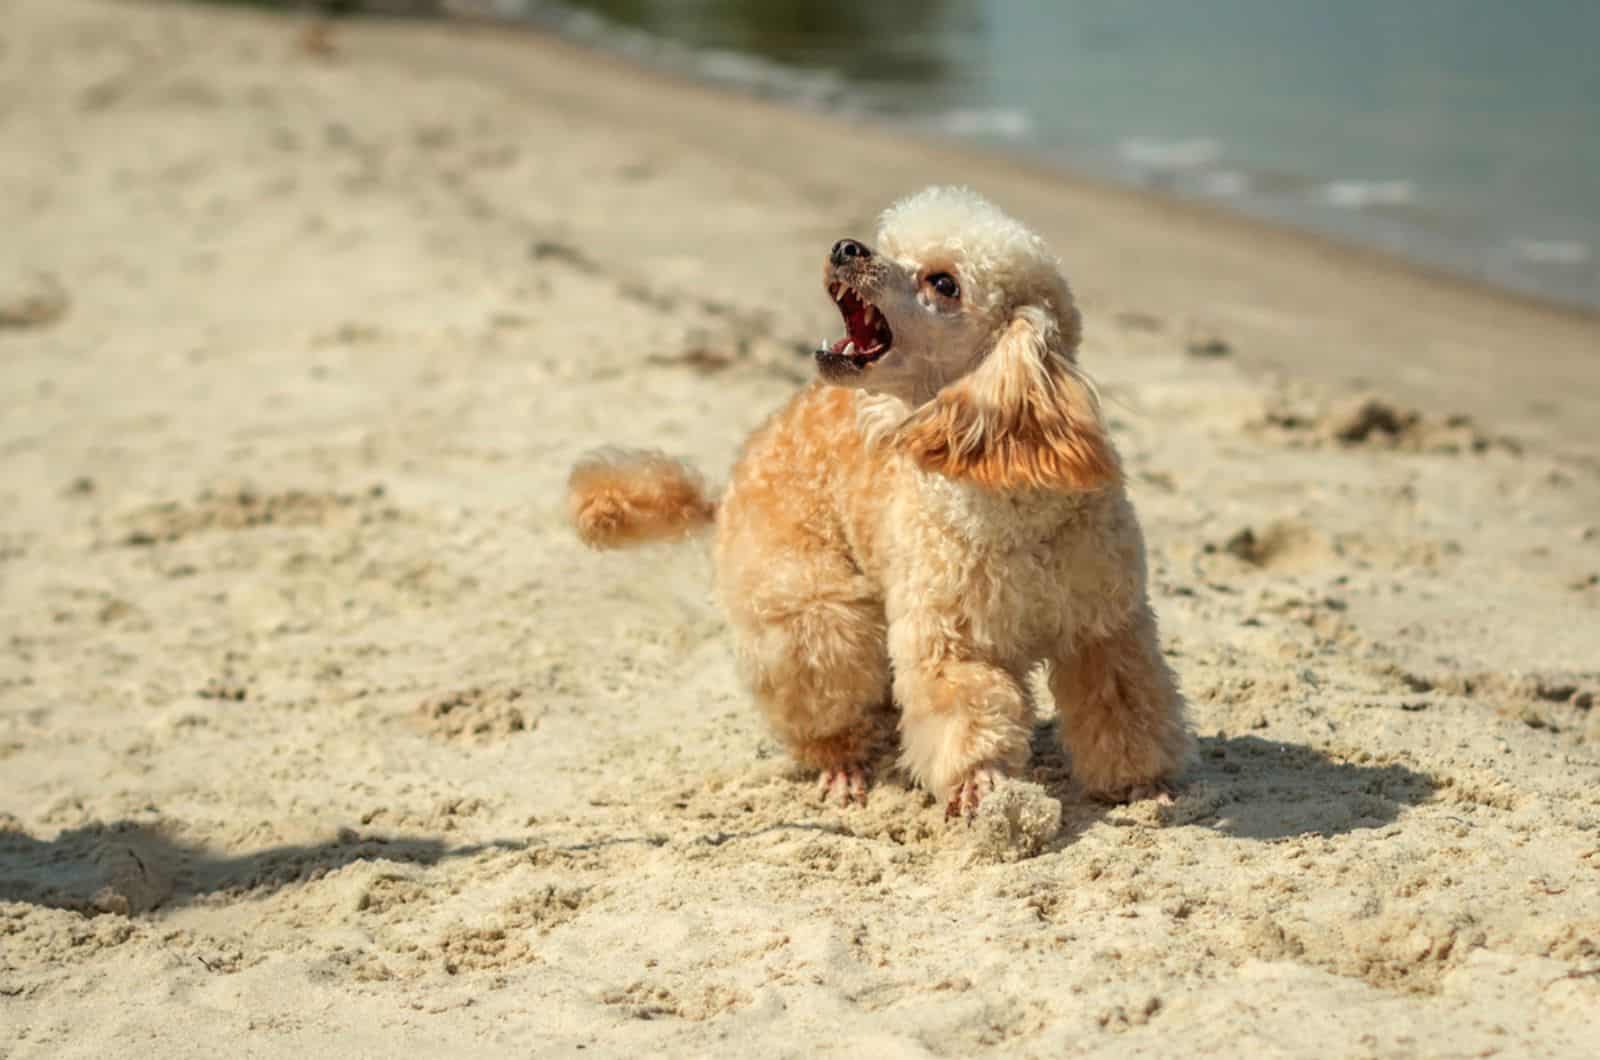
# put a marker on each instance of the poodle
(937, 514)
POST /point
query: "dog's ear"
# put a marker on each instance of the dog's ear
(1024, 417)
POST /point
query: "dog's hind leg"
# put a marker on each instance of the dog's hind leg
(810, 636)
(1122, 719)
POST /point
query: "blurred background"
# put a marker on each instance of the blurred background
(1460, 133)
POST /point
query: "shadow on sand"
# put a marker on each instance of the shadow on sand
(1247, 787)
(132, 867)
(1244, 787)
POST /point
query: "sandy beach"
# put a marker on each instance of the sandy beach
(320, 734)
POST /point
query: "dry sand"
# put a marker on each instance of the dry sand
(319, 734)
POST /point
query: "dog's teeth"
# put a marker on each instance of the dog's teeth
(849, 349)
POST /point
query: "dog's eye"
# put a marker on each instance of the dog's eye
(945, 284)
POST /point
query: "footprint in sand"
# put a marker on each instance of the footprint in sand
(476, 714)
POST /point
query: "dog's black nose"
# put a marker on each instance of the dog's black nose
(846, 249)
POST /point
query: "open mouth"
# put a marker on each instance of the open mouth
(866, 334)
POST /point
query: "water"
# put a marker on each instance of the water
(1463, 133)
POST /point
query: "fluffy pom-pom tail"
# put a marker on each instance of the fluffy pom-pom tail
(618, 498)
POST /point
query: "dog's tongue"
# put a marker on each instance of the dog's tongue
(839, 345)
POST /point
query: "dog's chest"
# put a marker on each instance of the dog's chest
(1012, 573)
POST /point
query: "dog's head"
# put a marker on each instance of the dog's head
(961, 316)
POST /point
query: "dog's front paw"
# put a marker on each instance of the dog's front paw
(965, 796)
(844, 785)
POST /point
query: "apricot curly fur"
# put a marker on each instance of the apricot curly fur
(910, 536)
(617, 498)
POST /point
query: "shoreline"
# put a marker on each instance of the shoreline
(548, 31)
(1445, 324)
(1027, 166)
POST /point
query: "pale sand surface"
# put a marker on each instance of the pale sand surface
(319, 734)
